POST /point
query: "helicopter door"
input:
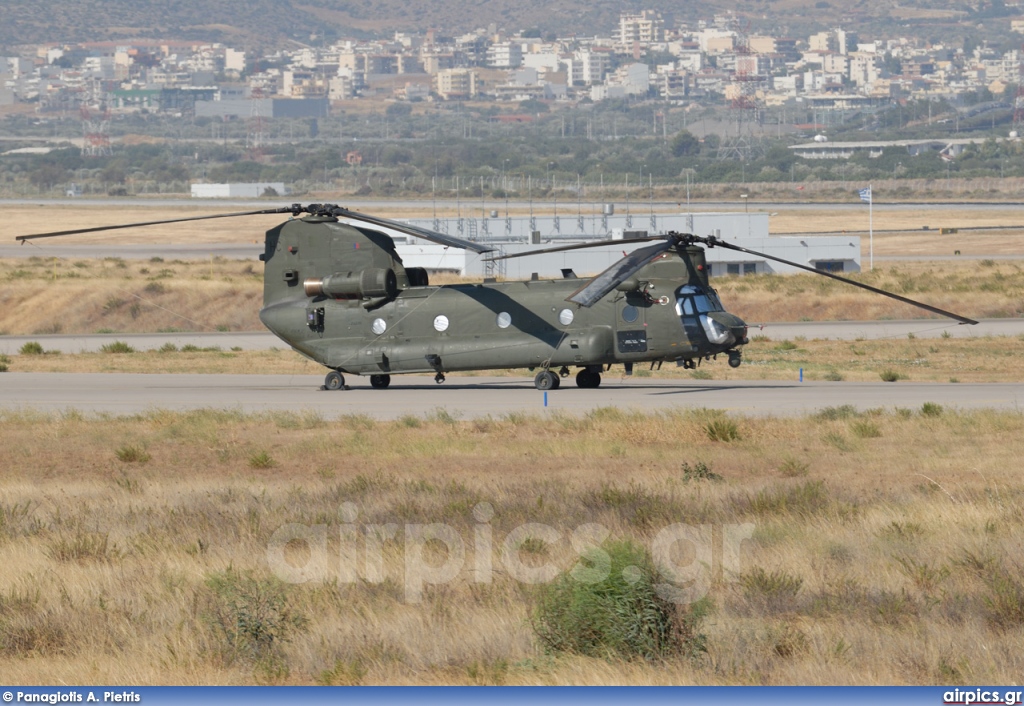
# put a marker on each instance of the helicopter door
(631, 326)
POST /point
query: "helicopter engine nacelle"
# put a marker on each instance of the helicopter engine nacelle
(371, 283)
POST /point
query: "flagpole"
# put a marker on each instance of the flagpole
(871, 228)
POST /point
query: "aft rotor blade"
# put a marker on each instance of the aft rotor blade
(594, 290)
(876, 290)
(577, 246)
(99, 229)
(408, 229)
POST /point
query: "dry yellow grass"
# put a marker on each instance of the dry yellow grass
(785, 220)
(883, 549)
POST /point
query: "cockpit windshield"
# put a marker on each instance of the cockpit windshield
(692, 300)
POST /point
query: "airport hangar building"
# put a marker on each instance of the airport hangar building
(516, 234)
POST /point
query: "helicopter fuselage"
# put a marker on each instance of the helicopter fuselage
(330, 295)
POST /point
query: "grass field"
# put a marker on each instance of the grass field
(882, 547)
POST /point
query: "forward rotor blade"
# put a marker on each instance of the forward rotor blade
(577, 246)
(99, 229)
(595, 289)
(431, 235)
(876, 290)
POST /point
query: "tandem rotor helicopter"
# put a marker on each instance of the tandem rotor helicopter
(335, 290)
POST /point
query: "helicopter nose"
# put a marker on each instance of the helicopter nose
(740, 333)
(718, 327)
(724, 328)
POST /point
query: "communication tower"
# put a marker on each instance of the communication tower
(745, 107)
(254, 135)
(95, 123)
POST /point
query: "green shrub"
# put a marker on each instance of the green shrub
(863, 429)
(793, 468)
(117, 347)
(132, 454)
(1005, 604)
(701, 471)
(261, 459)
(831, 414)
(891, 375)
(931, 409)
(620, 615)
(804, 500)
(168, 348)
(722, 430)
(759, 584)
(32, 348)
(250, 617)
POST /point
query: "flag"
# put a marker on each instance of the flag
(865, 194)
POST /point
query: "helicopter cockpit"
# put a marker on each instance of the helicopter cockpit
(693, 304)
(691, 300)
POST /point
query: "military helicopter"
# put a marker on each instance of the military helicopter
(337, 292)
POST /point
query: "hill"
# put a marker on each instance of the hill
(260, 23)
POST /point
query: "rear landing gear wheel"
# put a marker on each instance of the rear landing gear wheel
(334, 381)
(546, 380)
(380, 382)
(587, 379)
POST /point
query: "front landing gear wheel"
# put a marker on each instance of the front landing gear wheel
(380, 382)
(334, 381)
(588, 379)
(546, 380)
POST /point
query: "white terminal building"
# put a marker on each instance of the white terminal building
(517, 234)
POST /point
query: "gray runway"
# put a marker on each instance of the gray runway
(472, 397)
(263, 340)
